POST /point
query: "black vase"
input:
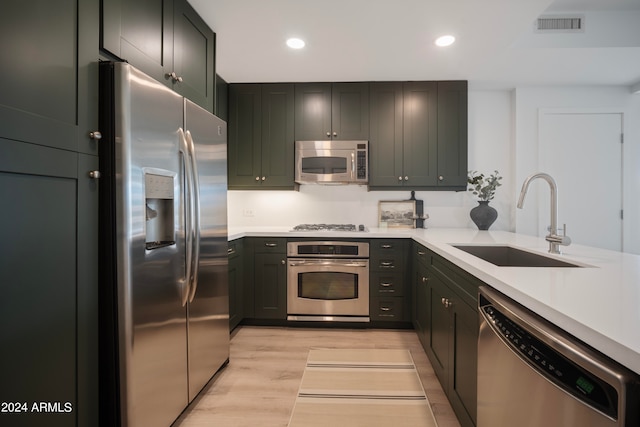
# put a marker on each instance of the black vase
(483, 215)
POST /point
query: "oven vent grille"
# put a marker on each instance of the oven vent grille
(560, 24)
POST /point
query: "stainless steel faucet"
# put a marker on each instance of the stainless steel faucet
(554, 239)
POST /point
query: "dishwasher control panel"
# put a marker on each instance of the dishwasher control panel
(553, 365)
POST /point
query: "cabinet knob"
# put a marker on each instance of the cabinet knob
(421, 253)
(95, 135)
(425, 279)
(399, 178)
(94, 174)
(406, 178)
(335, 134)
(264, 177)
(174, 77)
(446, 302)
(257, 178)
(282, 262)
(440, 178)
(328, 134)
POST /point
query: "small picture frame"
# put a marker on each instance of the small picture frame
(396, 213)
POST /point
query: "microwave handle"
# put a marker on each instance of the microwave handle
(353, 165)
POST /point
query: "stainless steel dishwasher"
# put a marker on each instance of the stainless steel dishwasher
(531, 373)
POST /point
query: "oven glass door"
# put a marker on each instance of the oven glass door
(328, 287)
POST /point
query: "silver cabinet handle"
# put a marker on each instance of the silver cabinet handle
(386, 285)
(95, 135)
(328, 134)
(446, 302)
(173, 76)
(335, 134)
(94, 174)
(386, 246)
(385, 309)
(231, 251)
(263, 178)
(386, 264)
(406, 178)
(271, 245)
(420, 253)
(441, 178)
(283, 262)
(257, 178)
(399, 178)
(425, 279)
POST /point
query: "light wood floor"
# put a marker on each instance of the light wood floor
(260, 384)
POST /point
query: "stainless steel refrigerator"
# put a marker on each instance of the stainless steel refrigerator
(164, 309)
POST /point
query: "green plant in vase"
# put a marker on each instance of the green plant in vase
(483, 186)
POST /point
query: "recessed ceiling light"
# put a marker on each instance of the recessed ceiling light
(445, 40)
(295, 43)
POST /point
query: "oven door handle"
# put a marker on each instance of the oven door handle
(336, 263)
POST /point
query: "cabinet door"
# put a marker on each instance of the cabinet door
(277, 135)
(385, 138)
(420, 133)
(236, 283)
(350, 111)
(245, 136)
(270, 286)
(312, 111)
(421, 303)
(39, 277)
(141, 33)
(464, 365)
(38, 93)
(193, 56)
(452, 133)
(440, 329)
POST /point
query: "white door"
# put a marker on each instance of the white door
(583, 152)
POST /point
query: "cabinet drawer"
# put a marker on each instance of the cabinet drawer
(386, 284)
(387, 247)
(267, 245)
(421, 254)
(386, 309)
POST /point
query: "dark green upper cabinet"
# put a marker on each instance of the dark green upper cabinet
(167, 40)
(418, 135)
(45, 64)
(331, 111)
(261, 141)
(452, 134)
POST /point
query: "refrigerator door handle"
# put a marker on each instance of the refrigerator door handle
(195, 199)
(188, 192)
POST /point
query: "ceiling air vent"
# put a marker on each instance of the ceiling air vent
(560, 24)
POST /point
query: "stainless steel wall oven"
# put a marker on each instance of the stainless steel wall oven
(328, 281)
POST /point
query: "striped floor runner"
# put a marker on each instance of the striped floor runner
(365, 387)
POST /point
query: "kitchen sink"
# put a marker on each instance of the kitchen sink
(507, 256)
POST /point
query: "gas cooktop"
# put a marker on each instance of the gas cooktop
(329, 227)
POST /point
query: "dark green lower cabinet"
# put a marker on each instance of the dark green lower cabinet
(446, 321)
(270, 286)
(236, 283)
(269, 278)
(49, 304)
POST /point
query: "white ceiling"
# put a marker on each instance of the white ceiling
(373, 40)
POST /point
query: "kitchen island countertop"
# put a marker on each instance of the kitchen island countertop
(598, 303)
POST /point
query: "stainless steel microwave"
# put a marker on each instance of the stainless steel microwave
(332, 162)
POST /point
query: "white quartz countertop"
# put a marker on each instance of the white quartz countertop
(599, 303)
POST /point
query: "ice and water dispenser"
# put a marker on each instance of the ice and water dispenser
(159, 215)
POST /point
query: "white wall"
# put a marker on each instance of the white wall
(490, 137)
(528, 101)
